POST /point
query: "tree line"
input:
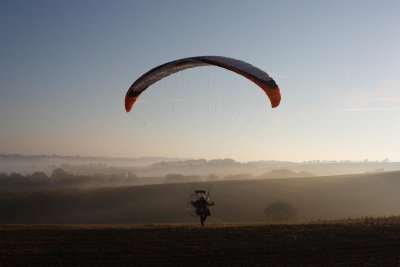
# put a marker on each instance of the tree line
(60, 178)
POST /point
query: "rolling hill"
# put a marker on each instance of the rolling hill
(329, 197)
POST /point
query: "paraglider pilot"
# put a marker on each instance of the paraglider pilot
(201, 205)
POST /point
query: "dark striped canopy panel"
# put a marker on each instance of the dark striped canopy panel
(254, 74)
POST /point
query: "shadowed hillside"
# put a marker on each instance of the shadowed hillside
(314, 198)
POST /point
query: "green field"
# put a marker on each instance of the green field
(363, 242)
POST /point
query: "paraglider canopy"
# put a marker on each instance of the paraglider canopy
(254, 74)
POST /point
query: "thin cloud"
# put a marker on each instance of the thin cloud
(386, 97)
(389, 99)
(389, 91)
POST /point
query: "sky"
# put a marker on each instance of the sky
(65, 67)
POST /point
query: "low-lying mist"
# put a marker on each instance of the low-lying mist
(160, 167)
(330, 197)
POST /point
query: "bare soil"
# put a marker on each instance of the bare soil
(366, 242)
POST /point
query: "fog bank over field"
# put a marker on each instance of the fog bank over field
(160, 167)
(152, 190)
(330, 197)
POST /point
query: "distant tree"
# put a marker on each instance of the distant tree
(59, 173)
(36, 179)
(4, 180)
(280, 211)
(16, 181)
(60, 178)
(39, 177)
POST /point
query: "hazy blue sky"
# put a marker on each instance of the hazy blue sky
(65, 67)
